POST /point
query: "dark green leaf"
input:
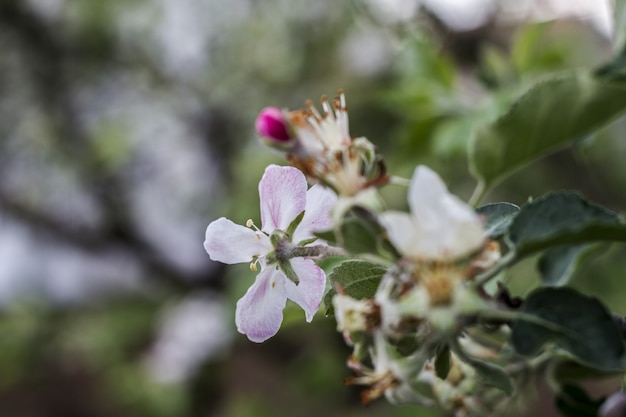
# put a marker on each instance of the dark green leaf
(569, 370)
(358, 279)
(562, 218)
(442, 362)
(573, 401)
(551, 115)
(574, 322)
(497, 217)
(361, 233)
(557, 265)
(614, 70)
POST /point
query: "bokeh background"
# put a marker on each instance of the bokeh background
(126, 126)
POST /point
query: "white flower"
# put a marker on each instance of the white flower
(440, 226)
(284, 196)
(354, 315)
(320, 145)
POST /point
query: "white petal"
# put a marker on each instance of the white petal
(319, 203)
(282, 191)
(425, 192)
(446, 227)
(259, 312)
(231, 243)
(401, 230)
(309, 292)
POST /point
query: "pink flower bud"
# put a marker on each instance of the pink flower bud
(271, 124)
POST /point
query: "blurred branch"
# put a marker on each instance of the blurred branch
(156, 267)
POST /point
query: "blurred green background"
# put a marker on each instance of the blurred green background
(126, 126)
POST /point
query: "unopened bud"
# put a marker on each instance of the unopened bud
(271, 124)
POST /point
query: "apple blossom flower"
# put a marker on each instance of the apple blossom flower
(440, 226)
(289, 215)
(320, 145)
(390, 375)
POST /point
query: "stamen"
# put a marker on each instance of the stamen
(328, 111)
(251, 225)
(253, 266)
(313, 110)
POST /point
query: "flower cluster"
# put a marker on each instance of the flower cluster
(320, 145)
(425, 332)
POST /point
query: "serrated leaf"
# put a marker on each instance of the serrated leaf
(557, 265)
(562, 218)
(497, 217)
(358, 279)
(577, 323)
(551, 115)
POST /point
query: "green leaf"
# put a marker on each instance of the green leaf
(361, 233)
(579, 324)
(562, 218)
(497, 217)
(494, 376)
(573, 401)
(358, 279)
(551, 115)
(557, 265)
(442, 362)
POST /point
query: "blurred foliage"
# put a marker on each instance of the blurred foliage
(127, 126)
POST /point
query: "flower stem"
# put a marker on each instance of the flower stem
(478, 194)
(485, 277)
(316, 250)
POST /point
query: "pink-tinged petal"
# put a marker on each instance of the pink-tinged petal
(259, 312)
(231, 243)
(282, 191)
(309, 292)
(319, 203)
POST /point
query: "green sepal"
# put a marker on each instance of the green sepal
(306, 241)
(293, 225)
(286, 267)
